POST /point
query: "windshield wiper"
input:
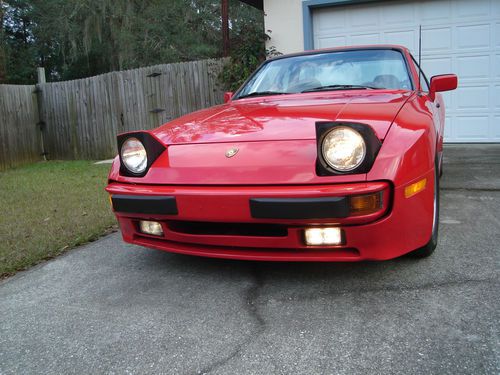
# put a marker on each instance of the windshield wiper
(341, 87)
(262, 93)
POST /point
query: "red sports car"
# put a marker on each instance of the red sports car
(329, 155)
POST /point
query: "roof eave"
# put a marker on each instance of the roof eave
(259, 4)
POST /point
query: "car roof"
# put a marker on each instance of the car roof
(343, 48)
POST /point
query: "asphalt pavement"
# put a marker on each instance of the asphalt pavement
(110, 307)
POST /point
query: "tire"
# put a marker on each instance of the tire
(429, 248)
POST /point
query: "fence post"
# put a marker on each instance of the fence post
(40, 72)
(39, 96)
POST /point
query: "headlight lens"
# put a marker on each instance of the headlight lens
(134, 155)
(343, 149)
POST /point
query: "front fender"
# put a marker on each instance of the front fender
(114, 172)
(409, 148)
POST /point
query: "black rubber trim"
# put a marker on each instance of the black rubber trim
(139, 204)
(299, 208)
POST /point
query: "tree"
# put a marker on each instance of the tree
(18, 42)
(248, 48)
(3, 46)
(80, 38)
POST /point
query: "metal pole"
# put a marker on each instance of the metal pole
(225, 27)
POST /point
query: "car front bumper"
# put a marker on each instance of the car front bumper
(268, 222)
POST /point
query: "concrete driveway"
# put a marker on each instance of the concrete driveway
(109, 307)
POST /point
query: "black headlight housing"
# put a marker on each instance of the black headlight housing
(372, 144)
(153, 149)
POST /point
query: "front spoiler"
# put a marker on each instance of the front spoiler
(403, 227)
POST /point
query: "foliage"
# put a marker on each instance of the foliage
(3, 45)
(80, 38)
(248, 48)
(17, 39)
(247, 53)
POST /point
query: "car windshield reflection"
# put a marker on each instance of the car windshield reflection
(337, 70)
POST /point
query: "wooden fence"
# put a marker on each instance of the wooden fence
(80, 118)
(20, 141)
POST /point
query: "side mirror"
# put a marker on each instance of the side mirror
(227, 96)
(444, 82)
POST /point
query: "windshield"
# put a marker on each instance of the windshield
(369, 69)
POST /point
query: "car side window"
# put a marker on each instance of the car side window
(424, 83)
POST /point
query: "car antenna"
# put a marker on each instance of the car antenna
(419, 55)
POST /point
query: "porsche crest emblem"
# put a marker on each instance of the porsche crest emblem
(231, 152)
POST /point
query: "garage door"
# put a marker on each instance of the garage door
(461, 37)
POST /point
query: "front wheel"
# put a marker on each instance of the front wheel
(429, 248)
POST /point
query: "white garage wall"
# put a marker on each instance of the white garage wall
(283, 19)
(458, 36)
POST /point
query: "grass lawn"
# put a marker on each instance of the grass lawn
(49, 207)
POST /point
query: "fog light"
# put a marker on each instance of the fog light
(151, 227)
(323, 236)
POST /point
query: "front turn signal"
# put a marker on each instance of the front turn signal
(365, 204)
(415, 188)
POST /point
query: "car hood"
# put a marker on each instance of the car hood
(284, 117)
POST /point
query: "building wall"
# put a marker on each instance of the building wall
(284, 19)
